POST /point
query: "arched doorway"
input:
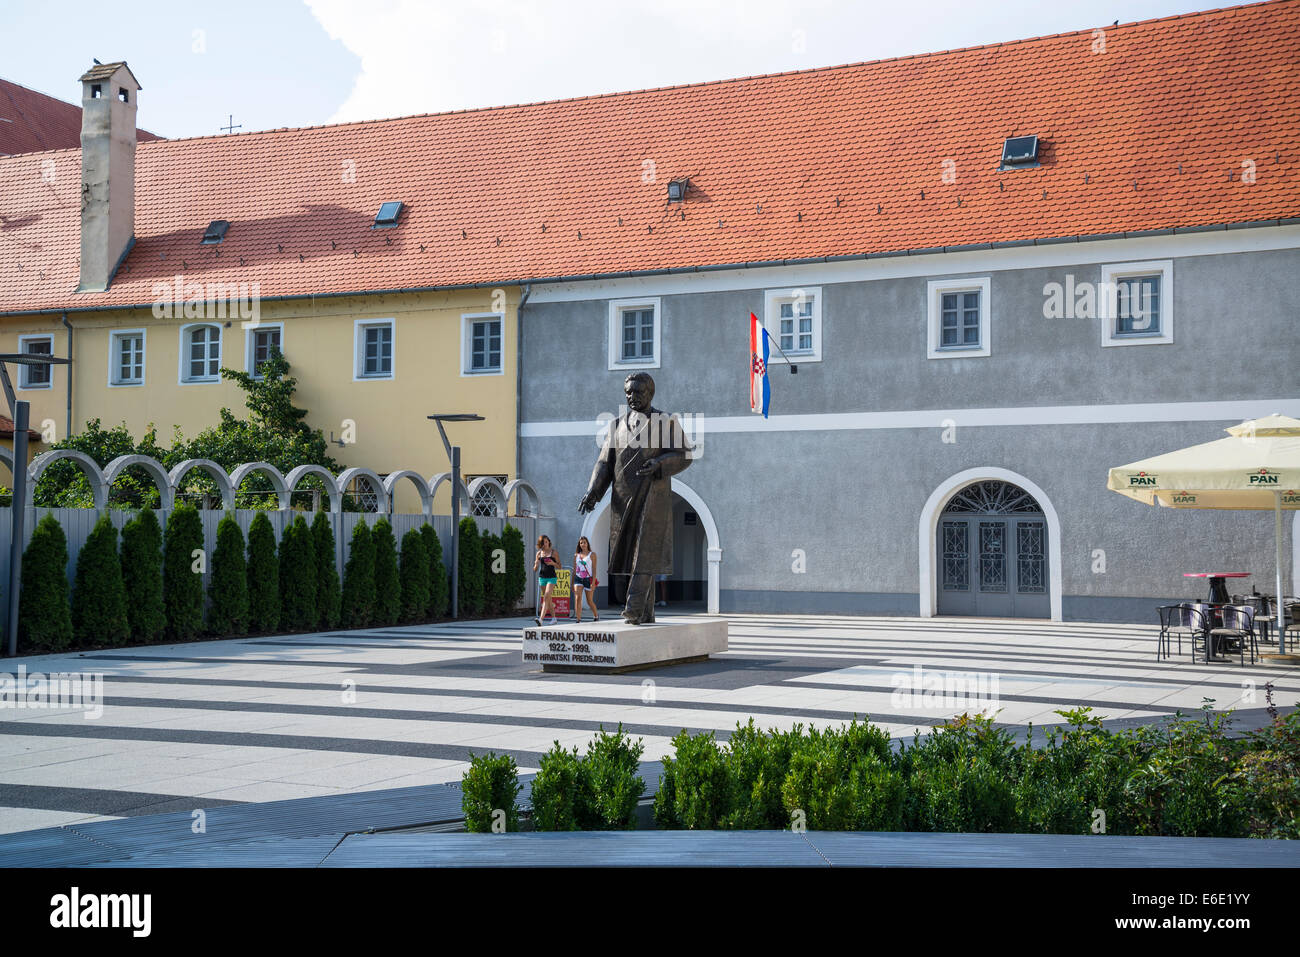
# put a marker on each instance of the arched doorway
(990, 546)
(693, 527)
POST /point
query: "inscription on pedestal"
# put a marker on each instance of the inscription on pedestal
(558, 647)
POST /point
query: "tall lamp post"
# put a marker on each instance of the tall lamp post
(19, 412)
(453, 453)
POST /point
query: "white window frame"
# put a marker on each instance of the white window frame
(616, 309)
(359, 350)
(467, 321)
(114, 357)
(1108, 302)
(934, 292)
(23, 384)
(250, 330)
(772, 300)
(184, 365)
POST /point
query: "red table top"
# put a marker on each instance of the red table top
(1216, 574)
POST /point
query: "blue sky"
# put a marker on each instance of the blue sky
(303, 62)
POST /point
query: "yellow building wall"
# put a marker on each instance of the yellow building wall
(385, 419)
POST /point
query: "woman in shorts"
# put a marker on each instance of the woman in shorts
(584, 579)
(545, 563)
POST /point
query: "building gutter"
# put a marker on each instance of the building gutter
(519, 373)
(67, 325)
(720, 267)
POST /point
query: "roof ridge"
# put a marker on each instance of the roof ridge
(719, 82)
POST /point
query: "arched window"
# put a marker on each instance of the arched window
(201, 353)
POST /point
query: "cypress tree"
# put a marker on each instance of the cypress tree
(99, 599)
(439, 587)
(494, 574)
(388, 587)
(182, 582)
(142, 575)
(298, 577)
(471, 568)
(328, 595)
(512, 540)
(44, 618)
(359, 579)
(415, 576)
(228, 587)
(263, 576)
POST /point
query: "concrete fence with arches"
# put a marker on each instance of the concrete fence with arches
(77, 523)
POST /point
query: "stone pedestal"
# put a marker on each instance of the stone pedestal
(613, 647)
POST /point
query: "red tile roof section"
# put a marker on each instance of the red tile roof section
(1150, 134)
(32, 121)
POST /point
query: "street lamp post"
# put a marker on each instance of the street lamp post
(20, 413)
(453, 454)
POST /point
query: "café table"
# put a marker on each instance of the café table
(1218, 590)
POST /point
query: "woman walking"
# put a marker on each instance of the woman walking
(545, 563)
(584, 579)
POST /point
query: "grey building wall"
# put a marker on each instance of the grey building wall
(852, 500)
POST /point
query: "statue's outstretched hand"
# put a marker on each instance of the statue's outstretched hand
(586, 505)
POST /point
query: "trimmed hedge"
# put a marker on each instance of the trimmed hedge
(142, 575)
(470, 559)
(228, 585)
(182, 582)
(489, 793)
(329, 596)
(359, 579)
(298, 574)
(263, 576)
(44, 616)
(99, 599)
(415, 576)
(494, 574)
(439, 584)
(388, 586)
(512, 540)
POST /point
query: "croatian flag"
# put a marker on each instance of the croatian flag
(759, 391)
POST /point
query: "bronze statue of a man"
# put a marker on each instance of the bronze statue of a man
(643, 449)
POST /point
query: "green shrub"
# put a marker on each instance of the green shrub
(494, 574)
(415, 577)
(695, 790)
(612, 780)
(490, 785)
(329, 596)
(757, 765)
(470, 558)
(1268, 779)
(512, 540)
(44, 616)
(142, 575)
(359, 579)
(439, 586)
(228, 586)
(182, 584)
(263, 576)
(298, 573)
(388, 585)
(99, 598)
(561, 797)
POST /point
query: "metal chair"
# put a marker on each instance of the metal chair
(1238, 625)
(1184, 619)
(1162, 636)
(1292, 620)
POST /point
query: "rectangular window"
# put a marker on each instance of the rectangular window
(961, 320)
(127, 358)
(203, 354)
(638, 334)
(634, 333)
(262, 343)
(37, 376)
(1136, 303)
(376, 351)
(793, 318)
(1137, 306)
(485, 345)
(958, 318)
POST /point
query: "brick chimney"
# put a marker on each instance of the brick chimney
(108, 92)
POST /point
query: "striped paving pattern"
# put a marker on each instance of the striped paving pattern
(213, 724)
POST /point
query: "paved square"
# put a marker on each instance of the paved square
(271, 718)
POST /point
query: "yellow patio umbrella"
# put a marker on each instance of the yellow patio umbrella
(1257, 467)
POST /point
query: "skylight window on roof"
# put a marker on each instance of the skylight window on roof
(677, 190)
(387, 215)
(215, 233)
(1019, 152)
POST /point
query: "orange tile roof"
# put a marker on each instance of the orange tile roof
(1149, 134)
(31, 121)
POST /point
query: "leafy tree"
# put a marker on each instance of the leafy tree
(263, 576)
(388, 587)
(182, 584)
(415, 576)
(99, 599)
(298, 577)
(471, 568)
(228, 588)
(64, 484)
(328, 594)
(494, 574)
(439, 587)
(516, 579)
(359, 579)
(44, 617)
(142, 574)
